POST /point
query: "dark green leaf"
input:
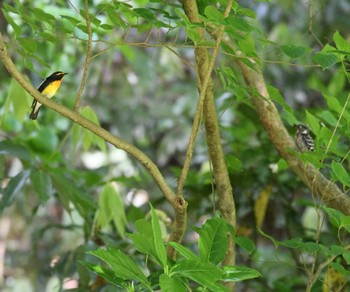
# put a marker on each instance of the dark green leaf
(13, 188)
(293, 51)
(16, 150)
(42, 184)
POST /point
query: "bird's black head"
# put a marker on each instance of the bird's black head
(58, 75)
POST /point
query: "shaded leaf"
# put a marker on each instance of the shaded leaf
(293, 51)
(13, 188)
(42, 184)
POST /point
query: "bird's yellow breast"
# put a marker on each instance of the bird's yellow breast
(52, 88)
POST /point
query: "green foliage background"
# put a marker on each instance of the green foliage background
(65, 192)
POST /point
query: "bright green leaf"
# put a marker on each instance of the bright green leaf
(171, 284)
(124, 267)
(341, 174)
(158, 240)
(325, 60)
(205, 274)
(185, 252)
(341, 43)
(235, 274)
(212, 243)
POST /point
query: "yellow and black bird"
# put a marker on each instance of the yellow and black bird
(48, 88)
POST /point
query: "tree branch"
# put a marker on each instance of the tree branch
(206, 101)
(87, 58)
(179, 204)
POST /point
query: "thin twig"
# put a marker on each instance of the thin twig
(87, 58)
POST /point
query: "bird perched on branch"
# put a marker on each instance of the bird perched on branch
(303, 138)
(48, 88)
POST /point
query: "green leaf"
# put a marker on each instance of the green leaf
(293, 51)
(44, 140)
(107, 274)
(345, 223)
(90, 138)
(158, 240)
(42, 184)
(13, 188)
(341, 174)
(341, 43)
(20, 99)
(185, 252)
(275, 242)
(171, 284)
(212, 243)
(122, 265)
(16, 150)
(235, 274)
(28, 44)
(205, 274)
(293, 243)
(335, 216)
(143, 239)
(111, 209)
(245, 243)
(214, 15)
(325, 60)
(68, 191)
(43, 16)
(233, 163)
(145, 13)
(313, 122)
(9, 19)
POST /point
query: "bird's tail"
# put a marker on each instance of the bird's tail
(35, 111)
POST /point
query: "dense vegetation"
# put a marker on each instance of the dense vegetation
(166, 160)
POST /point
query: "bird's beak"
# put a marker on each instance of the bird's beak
(65, 73)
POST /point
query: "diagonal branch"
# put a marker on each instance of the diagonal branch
(87, 58)
(326, 190)
(179, 204)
